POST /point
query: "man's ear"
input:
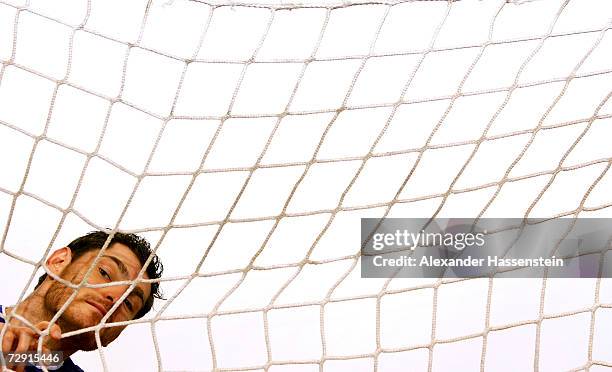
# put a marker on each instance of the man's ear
(59, 260)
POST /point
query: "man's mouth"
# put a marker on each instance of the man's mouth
(101, 309)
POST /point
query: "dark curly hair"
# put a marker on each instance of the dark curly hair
(139, 245)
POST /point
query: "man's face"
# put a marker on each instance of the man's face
(118, 263)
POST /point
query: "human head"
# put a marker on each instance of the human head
(123, 258)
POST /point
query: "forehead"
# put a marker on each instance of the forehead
(128, 257)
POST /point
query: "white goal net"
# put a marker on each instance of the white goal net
(246, 140)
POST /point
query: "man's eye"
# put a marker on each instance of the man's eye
(128, 304)
(104, 273)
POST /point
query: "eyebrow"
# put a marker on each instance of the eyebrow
(137, 290)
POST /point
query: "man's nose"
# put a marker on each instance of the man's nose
(110, 299)
(113, 293)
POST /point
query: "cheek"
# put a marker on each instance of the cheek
(120, 315)
(54, 295)
(58, 294)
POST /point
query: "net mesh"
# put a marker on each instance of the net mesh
(394, 118)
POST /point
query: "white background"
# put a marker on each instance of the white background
(118, 117)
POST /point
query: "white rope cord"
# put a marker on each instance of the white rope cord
(362, 160)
